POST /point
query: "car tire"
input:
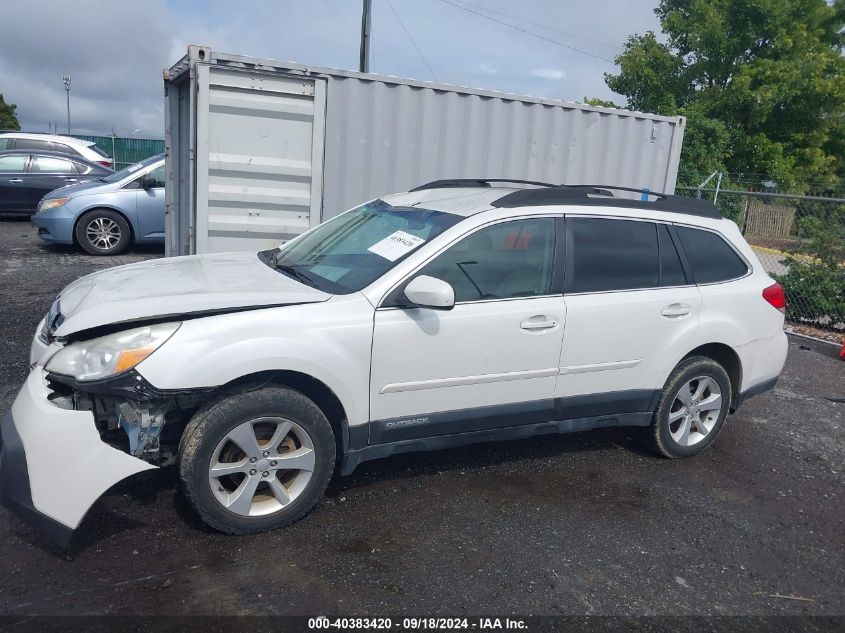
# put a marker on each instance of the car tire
(692, 408)
(235, 486)
(103, 232)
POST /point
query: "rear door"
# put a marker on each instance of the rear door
(12, 182)
(47, 173)
(631, 313)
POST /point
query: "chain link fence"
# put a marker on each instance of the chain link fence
(800, 241)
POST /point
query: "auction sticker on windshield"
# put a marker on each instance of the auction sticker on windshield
(396, 245)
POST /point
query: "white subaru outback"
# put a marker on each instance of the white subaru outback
(462, 311)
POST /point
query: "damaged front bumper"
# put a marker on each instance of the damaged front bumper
(53, 462)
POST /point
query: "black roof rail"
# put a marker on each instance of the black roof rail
(578, 194)
(477, 182)
(551, 194)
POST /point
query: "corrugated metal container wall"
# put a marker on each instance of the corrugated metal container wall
(384, 137)
(126, 151)
(259, 150)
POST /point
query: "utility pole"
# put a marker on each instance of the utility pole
(66, 79)
(364, 63)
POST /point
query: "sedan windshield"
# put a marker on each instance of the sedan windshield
(352, 250)
(125, 173)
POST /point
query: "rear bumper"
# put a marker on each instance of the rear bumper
(53, 464)
(762, 362)
(756, 390)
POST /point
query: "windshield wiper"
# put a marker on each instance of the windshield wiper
(294, 271)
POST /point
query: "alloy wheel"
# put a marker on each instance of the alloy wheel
(695, 410)
(103, 233)
(261, 466)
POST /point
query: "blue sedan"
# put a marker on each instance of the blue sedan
(105, 215)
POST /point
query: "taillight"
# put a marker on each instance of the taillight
(104, 163)
(775, 296)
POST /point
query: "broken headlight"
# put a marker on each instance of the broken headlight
(111, 354)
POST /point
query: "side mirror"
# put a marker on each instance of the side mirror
(148, 182)
(430, 292)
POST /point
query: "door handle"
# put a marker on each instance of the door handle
(71, 180)
(16, 180)
(676, 310)
(538, 322)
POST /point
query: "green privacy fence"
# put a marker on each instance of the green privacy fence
(126, 151)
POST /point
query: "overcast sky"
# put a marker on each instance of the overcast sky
(115, 50)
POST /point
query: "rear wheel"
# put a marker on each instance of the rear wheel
(692, 409)
(256, 461)
(103, 232)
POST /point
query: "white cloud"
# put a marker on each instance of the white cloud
(548, 73)
(116, 51)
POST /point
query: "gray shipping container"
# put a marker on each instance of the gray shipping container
(259, 151)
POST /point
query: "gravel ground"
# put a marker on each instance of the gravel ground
(579, 524)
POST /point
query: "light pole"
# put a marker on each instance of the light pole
(366, 21)
(66, 79)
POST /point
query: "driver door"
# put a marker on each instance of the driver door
(490, 361)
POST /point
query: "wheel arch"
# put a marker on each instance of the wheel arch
(103, 207)
(727, 357)
(314, 389)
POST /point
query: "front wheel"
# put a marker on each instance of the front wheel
(103, 232)
(692, 409)
(256, 461)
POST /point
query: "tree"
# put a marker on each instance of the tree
(602, 103)
(8, 118)
(761, 82)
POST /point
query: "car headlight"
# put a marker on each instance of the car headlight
(51, 203)
(111, 354)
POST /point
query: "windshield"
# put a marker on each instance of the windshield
(352, 250)
(125, 173)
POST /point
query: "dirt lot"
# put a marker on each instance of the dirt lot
(579, 524)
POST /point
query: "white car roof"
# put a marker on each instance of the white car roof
(68, 140)
(468, 201)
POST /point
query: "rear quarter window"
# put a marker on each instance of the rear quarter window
(711, 258)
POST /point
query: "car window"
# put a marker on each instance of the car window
(158, 175)
(5, 144)
(710, 257)
(15, 163)
(612, 255)
(97, 150)
(671, 270)
(82, 168)
(506, 260)
(28, 143)
(52, 165)
(61, 147)
(355, 248)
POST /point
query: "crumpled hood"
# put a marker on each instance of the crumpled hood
(177, 286)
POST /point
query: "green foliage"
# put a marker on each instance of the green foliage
(815, 283)
(8, 119)
(602, 103)
(762, 83)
